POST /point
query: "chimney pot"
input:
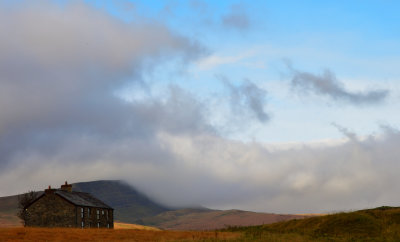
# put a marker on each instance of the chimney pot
(66, 187)
(49, 190)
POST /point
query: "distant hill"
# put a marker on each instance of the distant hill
(134, 207)
(8, 212)
(129, 204)
(208, 219)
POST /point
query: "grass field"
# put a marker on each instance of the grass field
(379, 224)
(118, 225)
(63, 234)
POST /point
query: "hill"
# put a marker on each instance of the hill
(8, 211)
(134, 207)
(207, 219)
(379, 224)
(129, 204)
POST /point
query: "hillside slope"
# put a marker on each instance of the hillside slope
(379, 224)
(129, 204)
(8, 212)
(207, 219)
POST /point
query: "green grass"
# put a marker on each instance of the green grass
(379, 224)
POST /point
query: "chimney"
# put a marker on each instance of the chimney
(66, 187)
(49, 190)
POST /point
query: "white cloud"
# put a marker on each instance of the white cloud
(216, 60)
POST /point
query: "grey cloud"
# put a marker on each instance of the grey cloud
(220, 173)
(328, 85)
(346, 132)
(59, 70)
(247, 97)
(236, 18)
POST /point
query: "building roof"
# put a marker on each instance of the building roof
(81, 199)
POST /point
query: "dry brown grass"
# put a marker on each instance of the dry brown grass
(9, 221)
(64, 234)
(119, 225)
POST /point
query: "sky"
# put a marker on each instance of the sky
(224, 104)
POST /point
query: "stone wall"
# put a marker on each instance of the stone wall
(51, 211)
(97, 218)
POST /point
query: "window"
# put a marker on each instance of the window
(82, 213)
(98, 214)
(88, 212)
(98, 225)
(83, 224)
(107, 213)
(108, 226)
(102, 212)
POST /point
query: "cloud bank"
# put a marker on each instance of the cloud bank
(59, 70)
(61, 120)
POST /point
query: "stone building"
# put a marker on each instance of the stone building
(65, 208)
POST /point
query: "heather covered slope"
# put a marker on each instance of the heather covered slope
(129, 204)
(379, 224)
(207, 219)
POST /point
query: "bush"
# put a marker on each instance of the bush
(23, 201)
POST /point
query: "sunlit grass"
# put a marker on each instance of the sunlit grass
(119, 225)
(380, 224)
(65, 234)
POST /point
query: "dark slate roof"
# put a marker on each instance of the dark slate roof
(81, 199)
